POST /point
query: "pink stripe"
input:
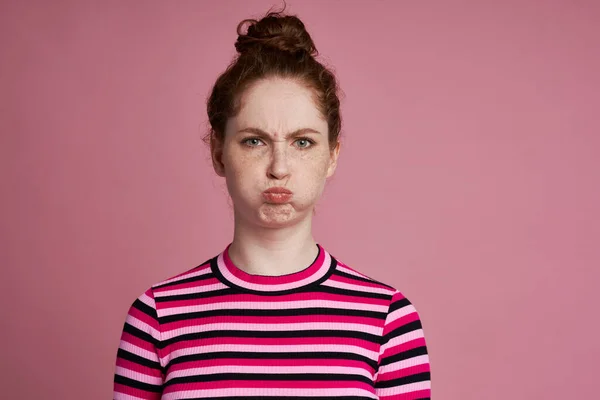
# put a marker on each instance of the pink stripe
(186, 285)
(233, 386)
(294, 319)
(142, 369)
(199, 270)
(142, 316)
(288, 299)
(412, 344)
(267, 371)
(413, 370)
(191, 290)
(270, 280)
(356, 286)
(169, 334)
(142, 394)
(274, 392)
(137, 342)
(251, 349)
(345, 268)
(240, 341)
(148, 379)
(317, 362)
(296, 305)
(316, 271)
(265, 367)
(412, 395)
(351, 281)
(401, 322)
(397, 296)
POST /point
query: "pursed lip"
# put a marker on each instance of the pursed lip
(278, 190)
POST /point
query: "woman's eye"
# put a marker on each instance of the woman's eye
(303, 143)
(252, 142)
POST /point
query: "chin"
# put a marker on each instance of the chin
(277, 216)
(280, 215)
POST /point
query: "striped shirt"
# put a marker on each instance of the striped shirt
(326, 332)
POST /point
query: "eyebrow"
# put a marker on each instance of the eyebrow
(260, 132)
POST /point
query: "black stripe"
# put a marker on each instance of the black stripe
(185, 280)
(268, 377)
(417, 351)
(328, 355)
(272, 334)
(292, 312)
(145, 336)
(348, 292)
(145, 308)
(398, 304)
(405, 380)
(338, 272)
(306, 288)
(192, 296)
(138, 385)
(279, 397)
(125, 355)
(199, 278)
(401, 330)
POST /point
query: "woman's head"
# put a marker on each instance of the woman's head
(275, 46)
(275, 122)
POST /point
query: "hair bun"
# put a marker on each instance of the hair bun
(275, 31)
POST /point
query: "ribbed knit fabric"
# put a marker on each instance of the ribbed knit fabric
(326, 332)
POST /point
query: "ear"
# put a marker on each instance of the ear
(335, 153)
(216, 152)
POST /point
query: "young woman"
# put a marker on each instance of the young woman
(274, 315)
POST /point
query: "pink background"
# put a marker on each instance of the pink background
(469, 178)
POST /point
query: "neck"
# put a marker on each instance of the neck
(272, 251)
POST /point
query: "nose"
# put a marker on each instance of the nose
(279, 166)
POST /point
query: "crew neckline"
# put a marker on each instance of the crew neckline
(224, 267)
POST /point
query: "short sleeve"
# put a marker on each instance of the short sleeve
(403, 369)
(138, 373)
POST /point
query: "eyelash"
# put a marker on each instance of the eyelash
(310, 141)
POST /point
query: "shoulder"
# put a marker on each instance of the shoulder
(401, 317)
(177, 284)
(352, 276)
(194, 274)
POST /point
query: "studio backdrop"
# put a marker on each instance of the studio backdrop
(468, 178)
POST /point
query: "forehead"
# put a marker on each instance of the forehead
(278, 105)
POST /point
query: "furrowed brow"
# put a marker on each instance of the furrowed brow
(260, 132)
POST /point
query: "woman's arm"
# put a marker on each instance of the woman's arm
(138, 373)
(403, 371)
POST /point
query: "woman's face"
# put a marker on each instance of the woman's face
(278, 139)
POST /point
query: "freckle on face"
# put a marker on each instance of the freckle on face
(277, 107)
